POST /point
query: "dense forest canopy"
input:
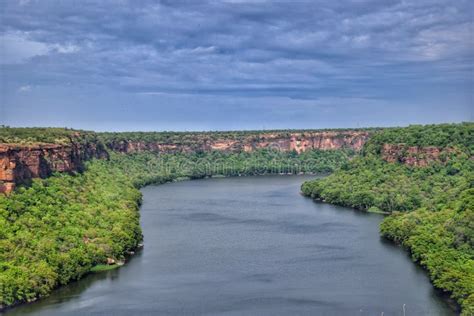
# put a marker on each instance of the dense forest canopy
(42, 135)
(439, 135)
(57, 229)
(432, 207)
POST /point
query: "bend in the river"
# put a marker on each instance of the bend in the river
(251, 245)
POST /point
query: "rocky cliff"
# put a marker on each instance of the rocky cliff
(20, 163)
(415, 155)
(283, 141)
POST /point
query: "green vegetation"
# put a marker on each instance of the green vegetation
(46, 135)
(443, 242)
(371, 183)
(104, 267)
(57, 229)
(146, 168)
(439, 135)
(62, 227)
(433, 206)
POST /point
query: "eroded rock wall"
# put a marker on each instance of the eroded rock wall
(415, 156)
(19, 164)
(299, 142)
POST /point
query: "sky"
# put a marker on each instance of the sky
(233, 65)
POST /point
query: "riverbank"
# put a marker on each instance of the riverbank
(430, 202)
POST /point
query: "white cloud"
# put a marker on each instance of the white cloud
(199, 50)
(24, 89)
(64, 49)
(16, 48)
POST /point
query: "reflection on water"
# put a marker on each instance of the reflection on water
(251, 246)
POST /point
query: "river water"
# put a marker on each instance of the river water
(251, 246)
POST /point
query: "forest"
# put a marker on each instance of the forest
(42, 135)
(59, 228)
(432, 207)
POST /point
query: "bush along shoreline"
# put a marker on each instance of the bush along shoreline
(431, 205)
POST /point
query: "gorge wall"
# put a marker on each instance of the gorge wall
(414, 155)
(21, 163)
(283, 141)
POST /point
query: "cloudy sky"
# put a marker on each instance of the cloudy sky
(221, 65)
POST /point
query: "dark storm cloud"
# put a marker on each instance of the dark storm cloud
(240, 52)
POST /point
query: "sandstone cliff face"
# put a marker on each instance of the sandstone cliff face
(299, 142)
(19, 164)
(414, 156)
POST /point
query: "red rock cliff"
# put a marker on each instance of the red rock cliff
(413, 155)
(298, 141)
(20, 163)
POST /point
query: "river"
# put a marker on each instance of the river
(252, 246)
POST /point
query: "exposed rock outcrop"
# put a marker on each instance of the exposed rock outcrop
(413, 155)
(20, 163)
(298, 141)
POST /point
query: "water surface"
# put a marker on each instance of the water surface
(251, 246)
